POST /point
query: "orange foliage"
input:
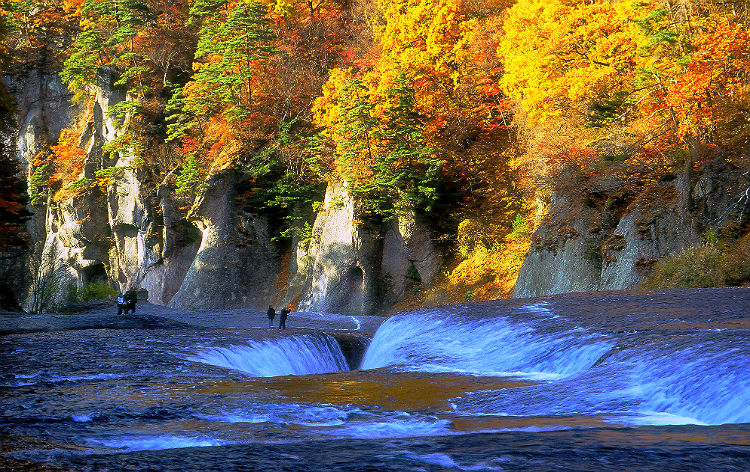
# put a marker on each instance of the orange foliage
(68, 160)
(654, 77)
(73, 6)
(714, 85)
(221, 143)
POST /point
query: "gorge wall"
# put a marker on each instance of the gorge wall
(213, 252)
(597, 235)
(208, 253)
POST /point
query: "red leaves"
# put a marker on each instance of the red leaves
(714, 83)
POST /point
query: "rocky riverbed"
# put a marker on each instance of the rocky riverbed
(651, 380)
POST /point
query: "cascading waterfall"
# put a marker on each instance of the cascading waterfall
(556, 383)
(706, 381)
(688, 378)
(294, 355)
(436, 342)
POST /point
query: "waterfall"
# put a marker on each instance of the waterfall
(437, 342)
(707, 380)
(638, 377)
(294, 355)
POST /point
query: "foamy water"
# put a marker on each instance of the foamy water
(454, 388)
(698, 378)
(295, 355)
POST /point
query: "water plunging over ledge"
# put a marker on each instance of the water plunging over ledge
(294, 355)
(656, 380)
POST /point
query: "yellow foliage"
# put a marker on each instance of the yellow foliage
(423, 39)
(430, 42)
(284, 8)
(485, 274)
(561, 51)
(325, 108)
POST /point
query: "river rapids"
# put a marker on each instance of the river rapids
(612, 381)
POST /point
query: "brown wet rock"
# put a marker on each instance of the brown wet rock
(12, 442)
(381, 388)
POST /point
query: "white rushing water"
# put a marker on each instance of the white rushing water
(694, 378)
(157, 442)
(294, 355)
(435, 342)
(423, 393)
(707, 382)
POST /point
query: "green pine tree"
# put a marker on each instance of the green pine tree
(108, 40)
(232, 40)
(356, 147)
(189, 178)
(407, 168)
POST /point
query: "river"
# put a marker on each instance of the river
(609, 381)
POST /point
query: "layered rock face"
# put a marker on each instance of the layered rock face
(236, 264)
(217, 254)
(339, 264)
(606, 239)
(348, 268)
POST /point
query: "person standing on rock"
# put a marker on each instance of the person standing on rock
(282, 318)
(271, 314)
(120, 303)
(130, 299)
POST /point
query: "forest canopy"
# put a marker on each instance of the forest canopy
(464, 110)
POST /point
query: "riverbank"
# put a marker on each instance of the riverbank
(103, 315)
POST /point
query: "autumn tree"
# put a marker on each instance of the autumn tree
(647, 74)
(407, 166)
(214, 113)
(355, 149)
(41, 31)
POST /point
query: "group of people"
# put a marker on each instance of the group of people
(126, 302)
(282, 316)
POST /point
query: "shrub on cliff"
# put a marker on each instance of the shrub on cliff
(711, 265)
(91, 291)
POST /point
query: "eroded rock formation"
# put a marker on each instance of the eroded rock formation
(217, 254)
(605, 238)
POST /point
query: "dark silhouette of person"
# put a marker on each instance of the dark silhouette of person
(120, 303)
(130, 299)
(282, 318)
(270, 313)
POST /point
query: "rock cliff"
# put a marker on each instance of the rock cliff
(606, 238)
(347, 267)
(213, 252)
(217, 254)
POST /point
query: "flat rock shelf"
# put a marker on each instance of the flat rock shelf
(622, 380)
